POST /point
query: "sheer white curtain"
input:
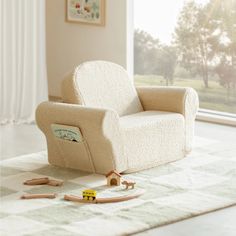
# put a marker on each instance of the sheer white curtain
(23, 81)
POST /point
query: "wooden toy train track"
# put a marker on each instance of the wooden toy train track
(104, 200)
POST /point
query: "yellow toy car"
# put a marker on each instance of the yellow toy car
(89, 194)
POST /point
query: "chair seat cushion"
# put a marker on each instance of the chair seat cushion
(141, 131)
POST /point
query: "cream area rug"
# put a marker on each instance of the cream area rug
(204, 181)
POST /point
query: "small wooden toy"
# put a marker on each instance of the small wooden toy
(105, 200)
(128, 183)
(89, 194)
(34, 196)
(53, 182)
(37, 181)
(44, 180)
(113, 178)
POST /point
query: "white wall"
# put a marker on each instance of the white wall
(69, 44)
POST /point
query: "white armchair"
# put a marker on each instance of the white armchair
(123, 129)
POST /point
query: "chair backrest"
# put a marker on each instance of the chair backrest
(104, 85)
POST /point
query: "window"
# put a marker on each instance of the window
(188, 43)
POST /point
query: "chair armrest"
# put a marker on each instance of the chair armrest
(99, 127)
(172, 99)
(77, 115)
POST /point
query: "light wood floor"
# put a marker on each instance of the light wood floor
(23, 139)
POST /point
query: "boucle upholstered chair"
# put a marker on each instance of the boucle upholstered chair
(123, 128)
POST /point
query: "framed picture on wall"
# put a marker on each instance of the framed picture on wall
(86, 11)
